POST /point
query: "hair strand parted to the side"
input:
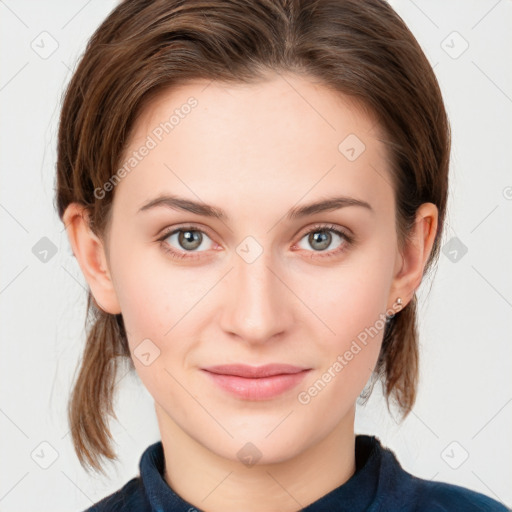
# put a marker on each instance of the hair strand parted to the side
(360, 48)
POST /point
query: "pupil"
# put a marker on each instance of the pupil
(189, 239)
(324, 237)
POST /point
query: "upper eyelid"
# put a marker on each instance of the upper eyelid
(328, 227)
(167, 232)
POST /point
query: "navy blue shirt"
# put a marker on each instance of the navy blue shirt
(379, 484)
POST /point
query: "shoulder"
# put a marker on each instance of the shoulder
(129, 497)
(431, 496)
(442, 496)
(403, 492)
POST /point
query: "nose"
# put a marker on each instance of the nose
(258, 304)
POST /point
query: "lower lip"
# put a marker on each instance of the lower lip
(257, 389)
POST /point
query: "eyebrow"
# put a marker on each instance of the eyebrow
(206, 210)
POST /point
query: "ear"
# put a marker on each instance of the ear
(411, 260)
(88, 249)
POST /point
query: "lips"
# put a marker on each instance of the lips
(256, 382)
(254, 372)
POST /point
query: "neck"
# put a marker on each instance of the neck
(209, 481)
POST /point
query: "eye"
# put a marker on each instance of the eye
(321, 237)
(185, 240)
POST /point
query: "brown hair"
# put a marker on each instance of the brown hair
(362, 49)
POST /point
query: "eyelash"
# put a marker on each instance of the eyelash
(179, 255)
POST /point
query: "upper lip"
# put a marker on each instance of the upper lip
(243, 370)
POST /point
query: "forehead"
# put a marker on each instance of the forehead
(275, 140)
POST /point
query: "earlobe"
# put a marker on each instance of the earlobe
(89, 251)
(415, 254)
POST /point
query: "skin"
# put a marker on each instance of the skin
(255, 151)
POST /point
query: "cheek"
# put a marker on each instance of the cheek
(353, 305)
(149, 295)
(144, 307)
(355, 296)
(151, 326)
(145, 303)
(160, 306)
(350, 353)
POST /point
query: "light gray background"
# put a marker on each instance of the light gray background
(464, 407)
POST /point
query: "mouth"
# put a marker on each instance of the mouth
(256, 382)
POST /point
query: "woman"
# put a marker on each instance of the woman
(254, 191)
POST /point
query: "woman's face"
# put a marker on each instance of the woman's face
(262, 283)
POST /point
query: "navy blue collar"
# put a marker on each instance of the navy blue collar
(357, 494)
(379, 484)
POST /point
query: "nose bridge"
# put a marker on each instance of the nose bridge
(256, 308)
